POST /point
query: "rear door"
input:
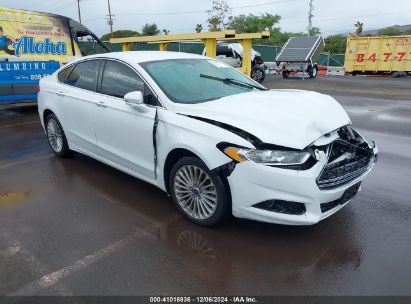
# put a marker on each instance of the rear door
(124, 133)
(78, 99)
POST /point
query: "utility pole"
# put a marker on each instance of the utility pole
(110, 18)
(79, 13)
(310, 17)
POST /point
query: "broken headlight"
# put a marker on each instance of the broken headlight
(267, 157)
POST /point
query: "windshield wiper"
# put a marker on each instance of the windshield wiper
(234, 81)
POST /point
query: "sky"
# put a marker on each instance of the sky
(181, 16)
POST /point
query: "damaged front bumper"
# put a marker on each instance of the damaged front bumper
(298, 197)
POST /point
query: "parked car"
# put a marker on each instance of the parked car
(215, 140)
(232, 54)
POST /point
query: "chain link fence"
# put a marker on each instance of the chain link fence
(267, 52)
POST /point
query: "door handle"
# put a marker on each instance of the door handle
(61, 94)
(101, 104)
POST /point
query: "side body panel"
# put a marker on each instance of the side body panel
(73, 107)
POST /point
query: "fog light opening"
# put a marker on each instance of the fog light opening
(280, 206)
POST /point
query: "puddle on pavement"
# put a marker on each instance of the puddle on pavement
(27, 150)
(10, 198)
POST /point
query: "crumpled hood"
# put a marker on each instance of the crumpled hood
(289, 118)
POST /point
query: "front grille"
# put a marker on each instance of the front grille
(348, 194)
(340, 172)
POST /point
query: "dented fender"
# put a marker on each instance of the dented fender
(174, 131)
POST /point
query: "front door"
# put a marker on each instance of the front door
(124, 134)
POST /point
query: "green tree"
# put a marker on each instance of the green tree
(315, 31)
(407, 32)
(219, 16)
(335, 44)
(165, 32)
(359, 27)
(119, 34)
(150, 30)
(253, 23)
(389, 31)
(199, 28)
(279, 38)
(265, 22)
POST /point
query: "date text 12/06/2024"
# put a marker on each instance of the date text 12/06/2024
(204, 299)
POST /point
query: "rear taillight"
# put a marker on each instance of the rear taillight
(38, 89)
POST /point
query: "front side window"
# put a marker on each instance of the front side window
(84, 75)
(198, 80)
(119, 79)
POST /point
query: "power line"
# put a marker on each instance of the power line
(204, 10)
(354, 17)
(51, 6)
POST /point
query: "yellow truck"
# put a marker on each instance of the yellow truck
(378, 54)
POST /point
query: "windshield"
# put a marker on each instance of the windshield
(198, 80)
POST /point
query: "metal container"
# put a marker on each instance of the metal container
(381, 54)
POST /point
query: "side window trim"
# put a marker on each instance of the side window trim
(100, 76)
(98, 71)
(71, 66)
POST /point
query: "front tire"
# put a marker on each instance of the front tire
(56, 137)
(199, 193)
(258, 74)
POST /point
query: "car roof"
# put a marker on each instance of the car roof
(144, 56)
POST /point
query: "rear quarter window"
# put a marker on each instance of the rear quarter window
(65, 73)
(84, 75)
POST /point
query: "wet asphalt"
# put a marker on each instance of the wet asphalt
(78, 227)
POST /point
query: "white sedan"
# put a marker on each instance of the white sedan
(216, 141)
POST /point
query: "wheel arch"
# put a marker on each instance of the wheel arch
(46, 113)
(178, 153)
(172, 157)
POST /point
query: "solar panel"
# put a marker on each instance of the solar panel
(301, 49)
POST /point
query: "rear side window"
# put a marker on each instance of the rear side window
(119, 79)
(64, 74)
(84, 75)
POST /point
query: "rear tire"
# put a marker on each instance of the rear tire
(198, 193)
(313, 71)
(56, 137)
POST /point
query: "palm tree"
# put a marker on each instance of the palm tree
(359, 28)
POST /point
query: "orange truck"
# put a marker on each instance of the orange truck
(378, 54)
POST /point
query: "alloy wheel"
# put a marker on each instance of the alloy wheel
(55, 135)
(195, 192)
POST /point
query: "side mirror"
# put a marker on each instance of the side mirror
(134, 98)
